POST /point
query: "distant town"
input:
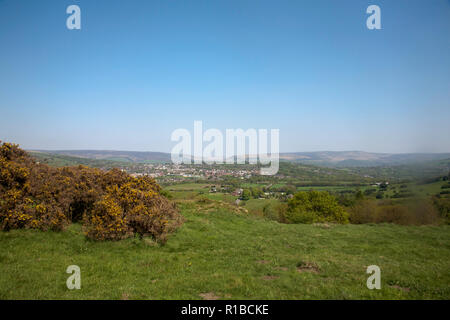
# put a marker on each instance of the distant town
(175, 173)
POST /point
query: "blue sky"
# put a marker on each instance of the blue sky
(137, 70)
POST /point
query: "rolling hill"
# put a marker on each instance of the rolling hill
(361, 158)
(112, 155)
(323, 158)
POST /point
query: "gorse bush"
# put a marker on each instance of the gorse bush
(133, 207)
(111, 205)
(312, 207)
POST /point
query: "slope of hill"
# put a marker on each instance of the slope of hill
(224, 255)
(410, 171)
(112, 155)
(361, 158)
(60, 160)
(341, 159)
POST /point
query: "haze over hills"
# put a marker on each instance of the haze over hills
(324, 158)
(361, 158)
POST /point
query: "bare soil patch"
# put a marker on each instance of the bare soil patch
(270, 277)
(209, 296)
(307, 267)
(282, 268)
(401, 288)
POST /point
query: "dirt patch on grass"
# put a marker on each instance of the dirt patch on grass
(322, 225)
(282, 268)
(401, 288)
(307, 267)
(209, 296)
(263, 261)
(208, 206)
(146, 264)
(125, 296)
(270, 277)
(150, 242)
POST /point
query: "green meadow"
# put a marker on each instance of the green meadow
(223, 253)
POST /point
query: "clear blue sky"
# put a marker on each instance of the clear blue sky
(137, 70)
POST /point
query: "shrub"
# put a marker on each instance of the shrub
(21, 204)
(314, 206)
(112, 205)
(106, 221)
(392, 214)
(443, 206)
(282, 210)
(423, 212)
(414, 212)
(202, 199)
(245, 195)
(271, 211)
(167, 194)
(370, 191)
(363, 212)
(345, 200)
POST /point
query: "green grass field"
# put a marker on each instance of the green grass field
(421, 190)
(190, 187)
(226, 255)
(427, 189)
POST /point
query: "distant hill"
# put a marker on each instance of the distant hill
(60, 160)
(124, 156)
(361, 158)
(322, 158)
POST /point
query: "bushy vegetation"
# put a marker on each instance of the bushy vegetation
(314, 206)
(111, 204)
(414, 212)
(443, 206)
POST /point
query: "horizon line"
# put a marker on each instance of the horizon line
(284, 152)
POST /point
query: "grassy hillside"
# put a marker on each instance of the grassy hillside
(223, 254)
(127, 156)
(59, 160)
